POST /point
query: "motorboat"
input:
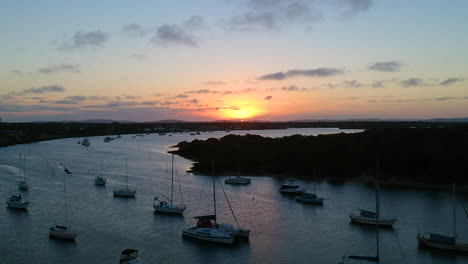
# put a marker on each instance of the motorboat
(16, 202)
(237, 180)
(291, 187)
(129, 256)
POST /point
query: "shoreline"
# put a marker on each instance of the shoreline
(366, 180)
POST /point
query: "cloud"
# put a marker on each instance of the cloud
(193, 101)
(269, 97)
(291, 88)
(214, 83)
(40, 90)
(412, 82)
(450, 81)
(85, 39)
(133, 30)
(318, 72)
(353, 84)
(173, 34)
(274, 15)
(444, 98)
(385, 66)
(58, 68)
(202, 91)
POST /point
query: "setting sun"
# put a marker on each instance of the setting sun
(239, 113)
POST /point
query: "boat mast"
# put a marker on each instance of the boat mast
(102, 166)
(172, 179)
(65, 196)
(377, 210)
(315, 181)
(454, 216)
(214, 190)
(126, 174)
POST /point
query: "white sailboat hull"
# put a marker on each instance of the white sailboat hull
(455, 247)
(307, 200)
(170, 209)
(208, 234)
(372, 220)
(234, 231)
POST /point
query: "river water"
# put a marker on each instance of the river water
(282, 230)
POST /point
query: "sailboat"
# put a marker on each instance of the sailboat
(127, 191)
(22, 184)
(357, 259)
(165, 207)
(129, 256)
(16, 202)
(437, 241)
(207, 228)
(310, 197)
(237, 180)
(100, 180)
(369, 217)
(63, 231)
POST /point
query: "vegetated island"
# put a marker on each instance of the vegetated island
(420, 156)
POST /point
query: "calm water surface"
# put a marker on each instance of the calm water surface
(283, 231)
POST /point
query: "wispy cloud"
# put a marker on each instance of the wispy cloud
(318, 72)
(268, 98)
(412, 82)
(133, 30)
(385, 66)
(450, 81)
(353, 84)
(58, 68)
(38, 90)
(214, 83)
(173, 34)
(85, 39)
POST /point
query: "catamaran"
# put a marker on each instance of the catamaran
(100, 180)
(369, 217)
(207, 227)
(443, 242)
(127, 191)
(291, 188)
(164, 206)
(63, 231)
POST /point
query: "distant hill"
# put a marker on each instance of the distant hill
(103, 121)
(453, 120)
(168, 121)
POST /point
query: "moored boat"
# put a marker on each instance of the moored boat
(291, 187)
(129, 256)
(237, 180)
(16, 202)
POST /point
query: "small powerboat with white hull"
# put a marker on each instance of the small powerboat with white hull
(291, 188)
(16, 202)
(129, 256)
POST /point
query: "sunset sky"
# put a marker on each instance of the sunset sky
(148, 60)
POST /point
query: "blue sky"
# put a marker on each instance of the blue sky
(203, 60)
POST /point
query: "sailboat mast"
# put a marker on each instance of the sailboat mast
(214, 189)
(454, 216)
(126, 174)
(172, 179)
(65, 196)
(102, 166)
(377, 209)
